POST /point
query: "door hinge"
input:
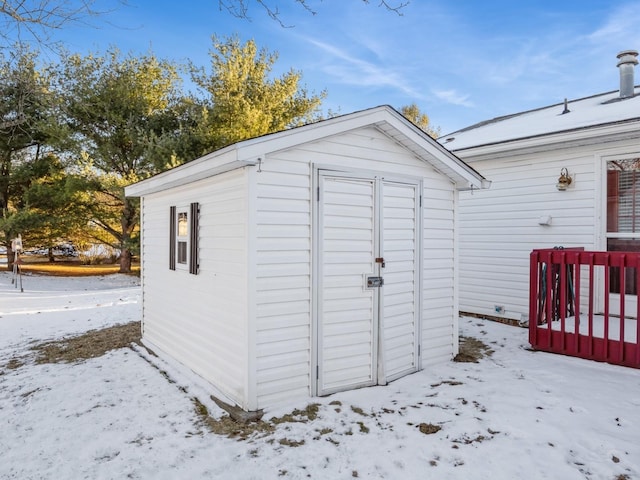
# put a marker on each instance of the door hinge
(420, 200)
(419, 349)
(317, 371)
(318, 194)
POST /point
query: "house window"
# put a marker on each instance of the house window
(183, 238)
(623, 216)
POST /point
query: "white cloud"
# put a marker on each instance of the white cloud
(453, 97)
(620, 26)
(347, 69)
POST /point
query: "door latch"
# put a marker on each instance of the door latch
(373, 282)
(380, 260)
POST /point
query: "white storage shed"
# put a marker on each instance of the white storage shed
(305, 262)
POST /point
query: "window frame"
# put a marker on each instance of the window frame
(188, 237)
(184, 238)
(621, 231)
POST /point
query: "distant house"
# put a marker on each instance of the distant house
(305, 262)
(530, 157)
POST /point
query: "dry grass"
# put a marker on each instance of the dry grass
(68, 267)
(92, 344)
(72, 269)
(472, 350)
(429, 428)
(229, 427)
(243, 430)
(310, 413)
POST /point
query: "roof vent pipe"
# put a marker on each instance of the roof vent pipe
(627, 63)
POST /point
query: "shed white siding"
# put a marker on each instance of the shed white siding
(401, 243)
(283, 279)
(499, 227)
(439, 275)
(202, 324)
(284, 261)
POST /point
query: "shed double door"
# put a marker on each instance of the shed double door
(368, 280)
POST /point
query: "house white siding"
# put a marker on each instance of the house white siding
(500, 227)
(284, 229)
(201, 323)
(523, 155)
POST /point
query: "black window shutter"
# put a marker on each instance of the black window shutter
(193, 238)
(172, 238)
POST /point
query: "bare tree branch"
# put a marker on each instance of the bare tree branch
(37, 19)
(397, 9)
(240, 8)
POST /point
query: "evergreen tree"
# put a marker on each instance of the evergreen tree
(25, 120)
(242, 101)
(122, 122)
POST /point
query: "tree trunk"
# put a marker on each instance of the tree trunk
(50, 253)
(125, 261)
(128, 223)
(10, 257)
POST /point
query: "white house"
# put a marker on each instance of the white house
(305, 262)
(595, 142)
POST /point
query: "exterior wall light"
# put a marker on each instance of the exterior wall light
(564, 181)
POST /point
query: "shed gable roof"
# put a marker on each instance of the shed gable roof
(247, 152)
(605, 112)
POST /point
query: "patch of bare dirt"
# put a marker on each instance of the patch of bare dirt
(91, 344)
(472, 350)
(429, 428)
(14, 363)
(229, 427)
(310, 413)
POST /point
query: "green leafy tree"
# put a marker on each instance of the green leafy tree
(56, 203)
(25, 120)
(241, 100)
(420, 119)
(123, 125)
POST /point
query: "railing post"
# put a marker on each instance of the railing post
(607, 294)
(576, 298)
(533, 297)
(562, 304)
(623, 288)
(637, 314)
(591, 300)
(549, 310)
(555, 294)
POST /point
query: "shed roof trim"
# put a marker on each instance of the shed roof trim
(384, 117)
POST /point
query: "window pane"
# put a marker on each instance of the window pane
(623, 245)
(623, 195)
(182, 224)
(182, 252)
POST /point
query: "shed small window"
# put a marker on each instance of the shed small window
(183, 238)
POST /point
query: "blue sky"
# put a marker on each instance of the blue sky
(460, 61)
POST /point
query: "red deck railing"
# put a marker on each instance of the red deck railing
(584, 304)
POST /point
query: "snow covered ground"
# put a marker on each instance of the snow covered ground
(517, 414)
(598, 324)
